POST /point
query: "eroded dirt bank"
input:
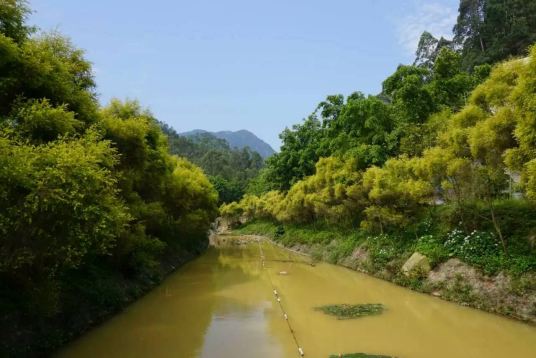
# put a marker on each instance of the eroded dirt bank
(452, 280)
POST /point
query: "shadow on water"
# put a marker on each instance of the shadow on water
(204, 309)
(222, 305)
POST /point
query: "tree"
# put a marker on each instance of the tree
(363, 130)
(59, 205)
(489, 31)
(396, 192)
(92, 205)
(171, 201)
(428, 50)
(298, 154)
(468, 29)
(331, 108)
(450, 85)
(48, 67)
(13, 15)
(411, 99)
(40, 122)
(229, 169)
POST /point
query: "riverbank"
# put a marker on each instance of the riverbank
(506, 292)
(222, 304)
(89, 296)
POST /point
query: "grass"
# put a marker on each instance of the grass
(388, 252)
(299, 234)
(327, 243)
(345, 311)
(383, 255)
(265, 228)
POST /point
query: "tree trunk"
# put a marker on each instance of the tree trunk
(496, 225)
(381, 225)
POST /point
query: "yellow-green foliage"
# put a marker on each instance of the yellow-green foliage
(395, 191)
(190, 197)
(493, 135)
(93, 208)
(70, 207)
(333, 194)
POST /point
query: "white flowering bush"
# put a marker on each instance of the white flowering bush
(479, 248)
(382, 249)
(477, 243)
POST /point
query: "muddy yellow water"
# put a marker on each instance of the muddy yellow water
(222, 305)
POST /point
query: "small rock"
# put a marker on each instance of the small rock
(417, 263)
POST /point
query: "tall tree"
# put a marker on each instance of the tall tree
(298, 155)
(13, 14)
(488, 31)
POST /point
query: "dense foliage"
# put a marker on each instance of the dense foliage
(441, 149)
(492, 30)
(229, 169)
(371, 129)
(93, 209)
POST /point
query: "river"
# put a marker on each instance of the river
(222, 305)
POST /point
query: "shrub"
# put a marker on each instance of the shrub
(431, 247)
(483, 250)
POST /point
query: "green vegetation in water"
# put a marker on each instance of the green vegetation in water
(346, 311)
(358, 355)
(384, 255)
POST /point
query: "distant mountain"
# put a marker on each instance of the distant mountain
(228, 168)
(238, 139)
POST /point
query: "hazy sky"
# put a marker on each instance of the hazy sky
(242, 64)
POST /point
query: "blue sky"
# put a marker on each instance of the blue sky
(242, 64)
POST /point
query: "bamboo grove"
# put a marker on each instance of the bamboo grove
(93, 208)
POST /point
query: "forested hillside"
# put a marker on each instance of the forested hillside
(238, 139)
(442, 162)
(93, 209)
(229, 169)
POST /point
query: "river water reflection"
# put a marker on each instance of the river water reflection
(222, 305)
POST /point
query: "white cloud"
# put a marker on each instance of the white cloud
(434, 17)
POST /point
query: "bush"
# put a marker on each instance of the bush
(432, 248)
(483, 250)
(341, 248)
(384, 248)
(279, 231)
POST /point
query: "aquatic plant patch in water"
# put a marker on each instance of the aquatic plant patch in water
(357, 355)
(345, 311)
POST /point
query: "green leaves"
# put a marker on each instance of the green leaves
(40, 122)
(60, 204)
(13, 14)
(488, 31)
(380, 164)
(230, 169)
(82, 187)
